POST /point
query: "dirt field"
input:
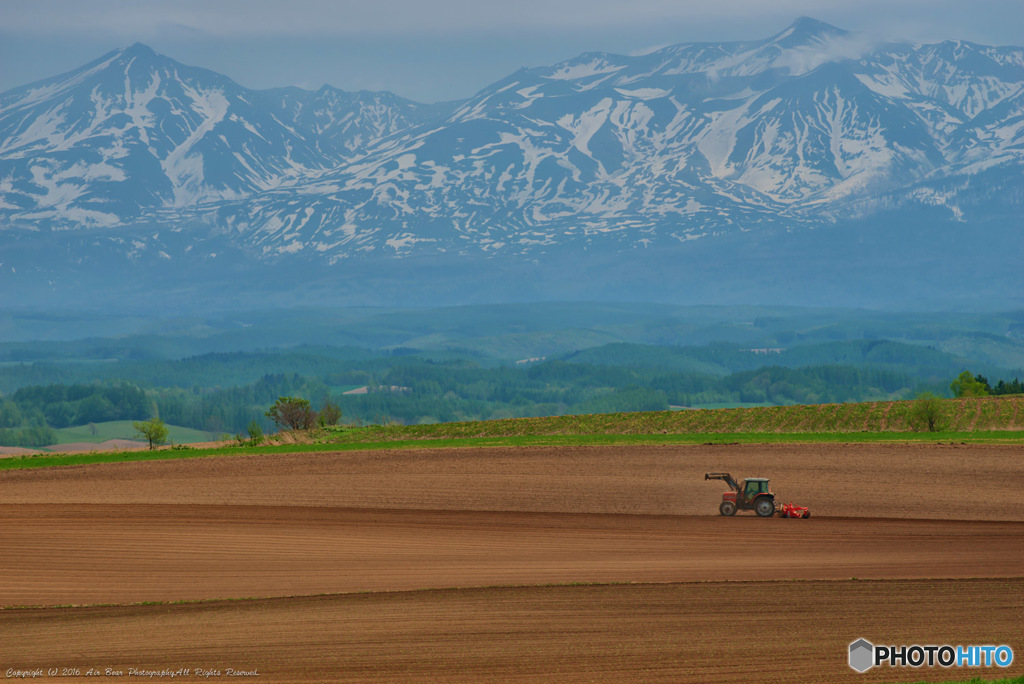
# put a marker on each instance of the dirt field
(972, 482)
(549, 564)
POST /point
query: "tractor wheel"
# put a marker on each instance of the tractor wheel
(765, 508)
(807, 514)
(727, 508)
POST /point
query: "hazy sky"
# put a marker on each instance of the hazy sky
(432, 50)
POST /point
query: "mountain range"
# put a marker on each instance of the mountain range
(815, 166)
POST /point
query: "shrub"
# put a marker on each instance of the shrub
(255, 432)
(330, 414)
(926, 414)
(292, 413)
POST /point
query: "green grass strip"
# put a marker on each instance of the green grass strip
(996, 437)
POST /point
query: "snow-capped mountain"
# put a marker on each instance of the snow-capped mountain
(690, 141)
(136, 131)
(601, 155)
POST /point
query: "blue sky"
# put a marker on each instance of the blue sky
(433, 50)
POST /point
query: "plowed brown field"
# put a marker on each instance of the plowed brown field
(554, 564)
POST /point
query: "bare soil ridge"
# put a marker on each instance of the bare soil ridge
(958, 482)
(292, 551)
(696, 632)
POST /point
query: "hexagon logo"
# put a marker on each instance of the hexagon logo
(862, 655)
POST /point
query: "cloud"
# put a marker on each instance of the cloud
(806, 59)
(503, 34)
(433, 50)
(383, 17)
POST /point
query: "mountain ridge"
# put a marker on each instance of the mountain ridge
(812, 132)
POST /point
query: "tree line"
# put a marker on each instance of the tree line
(29, 417)
(968, 385)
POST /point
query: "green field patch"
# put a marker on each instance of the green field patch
(988, 415)
(122, 429)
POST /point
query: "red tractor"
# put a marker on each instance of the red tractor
(753, 495)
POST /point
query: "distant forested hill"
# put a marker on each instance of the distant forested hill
(468, 363)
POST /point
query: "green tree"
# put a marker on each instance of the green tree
(926, 414)
(292, 413)
(153, 430)
(966, 385)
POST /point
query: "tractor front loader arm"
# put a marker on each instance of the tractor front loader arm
(723, 476)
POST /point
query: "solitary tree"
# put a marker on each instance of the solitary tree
(153, 430)
(926, 413)
(292, 413)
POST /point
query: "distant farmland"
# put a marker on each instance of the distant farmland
(981, 414)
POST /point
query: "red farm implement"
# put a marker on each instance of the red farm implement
(788, 510)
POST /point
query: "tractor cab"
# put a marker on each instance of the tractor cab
(753, 486)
